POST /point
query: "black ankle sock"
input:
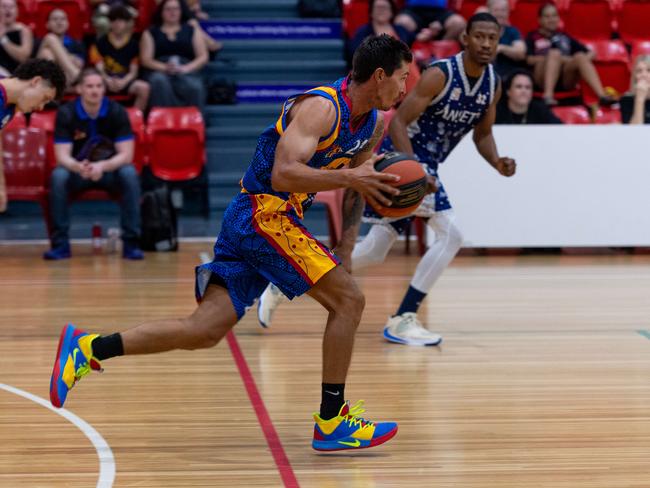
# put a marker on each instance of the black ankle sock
(105, 347)
(332, 399)
(412, 301)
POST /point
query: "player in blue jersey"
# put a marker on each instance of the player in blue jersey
(32, 85)
(332, 127)
(452, 97)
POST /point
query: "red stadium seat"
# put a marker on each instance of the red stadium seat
(26, 9)
(137, 126)
(634, 19)
(613, 65)
(78, 16)
(26, 174)
(524, 15)
(355, 14)
(467, 8)
(45, 121)
(608, 116)
(176, 143)
(16, 122)
(424, 52)
(572, 115)
(333, 201)
(639, 47)
(589, 19)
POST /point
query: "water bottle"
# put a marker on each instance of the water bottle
(112, 240)
(96, 238)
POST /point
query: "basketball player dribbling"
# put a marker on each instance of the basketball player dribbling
(262, 240)
(33, 85)
(452, 97)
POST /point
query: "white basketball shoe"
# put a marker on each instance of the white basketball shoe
(267, 303)
(407, 329)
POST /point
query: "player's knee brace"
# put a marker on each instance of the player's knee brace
(374, 247)
(447, 232)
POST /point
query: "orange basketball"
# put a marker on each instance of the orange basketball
(412, 184)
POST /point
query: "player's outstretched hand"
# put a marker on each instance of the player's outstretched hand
(506, 166)
(373, 185)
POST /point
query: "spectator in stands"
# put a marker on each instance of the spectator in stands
(115, 56)
(382, 13)
(175, 52)
(518, 105)
(16, 40)
(635, 105)
(560, 61)
(511, 52)
(57, 46)
(94, 149)
(431, 19)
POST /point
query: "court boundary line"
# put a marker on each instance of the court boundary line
(272, 439)
(104, 452)
(264, 419)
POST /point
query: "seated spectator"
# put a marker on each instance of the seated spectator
(115, 56)
(635, 105)
(511, 51)
(560, 61)
(382, 13)
(431, 19)
(16, 40)
(197, 11)
(93, 144)
(517, 106)
(57, 46)
(175, 52)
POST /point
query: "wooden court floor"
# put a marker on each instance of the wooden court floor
(542, 379)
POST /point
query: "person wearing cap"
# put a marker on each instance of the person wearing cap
(115, 55)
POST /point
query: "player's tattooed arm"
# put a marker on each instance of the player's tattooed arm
(416, 102)
(485, 144)
(353, 204)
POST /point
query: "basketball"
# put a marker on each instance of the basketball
(412, 184)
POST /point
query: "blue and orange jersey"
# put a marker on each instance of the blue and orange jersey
(334, 151)
(6, 111)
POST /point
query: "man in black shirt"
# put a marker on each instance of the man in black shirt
(94, 149)
(115, 56)
(518, 105)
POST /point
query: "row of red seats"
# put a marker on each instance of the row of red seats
(171, 143)
(586, 19)
(34, 14)
(612, 60)
(580, 115)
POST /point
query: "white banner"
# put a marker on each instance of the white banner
(575, 186)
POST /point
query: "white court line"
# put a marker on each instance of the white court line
(104, 453)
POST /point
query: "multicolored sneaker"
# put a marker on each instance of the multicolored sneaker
(349, 431)
(74, 360)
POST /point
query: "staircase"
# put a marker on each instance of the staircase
(260, 64)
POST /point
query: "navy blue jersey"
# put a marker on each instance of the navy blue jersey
(454, 112)
(6, 111)
(334, 151)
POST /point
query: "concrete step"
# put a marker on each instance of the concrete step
(261, 9)
(254, 114)
(283, 50)
(312, 72)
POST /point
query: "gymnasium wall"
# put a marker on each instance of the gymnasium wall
(575, 186)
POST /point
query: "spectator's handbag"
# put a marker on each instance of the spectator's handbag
(159, 221)
(97, 148)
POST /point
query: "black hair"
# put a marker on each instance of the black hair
(186, 13)
(375, 52)
(481, 17)
(507, 83)
(544, 6)
(48, 70)
(393, 9)
(119, 12)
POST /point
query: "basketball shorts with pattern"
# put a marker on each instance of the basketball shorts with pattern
(262, 240)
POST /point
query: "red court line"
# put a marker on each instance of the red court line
(272, 439)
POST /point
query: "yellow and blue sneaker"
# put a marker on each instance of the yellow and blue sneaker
(349, 431)
(74, 360)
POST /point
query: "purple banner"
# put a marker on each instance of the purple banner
(299, 29)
